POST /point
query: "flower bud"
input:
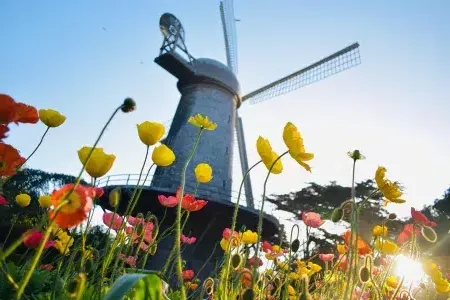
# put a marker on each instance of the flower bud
(392, 216)
(295, 245)
(128, 105)
(429, 234)
(153, 248)
(114, 197)
(364, 274)
(337, 214)
(355, 155)
(236, 261)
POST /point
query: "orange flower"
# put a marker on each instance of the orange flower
(10, 160)
(363, 247)
(189, 202)
(76, 210)
(11, 111)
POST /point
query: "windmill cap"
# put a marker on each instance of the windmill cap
(217, 71)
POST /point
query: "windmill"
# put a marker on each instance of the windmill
(211, 88)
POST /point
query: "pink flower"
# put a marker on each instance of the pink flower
(34, 238)
(3, 201)
(421, 218)
(112, 220)
(326, 257)
(98, 192)
(135, 221)
(357, 294)
(170, 201)
(130, 260)
(406, 234)
(148, 232)
(376, 270)
(187, 240)
(312, 219)
(188, 274)
(226, 234)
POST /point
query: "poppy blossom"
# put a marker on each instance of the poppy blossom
(203, 122)
(99, 163)
(363, 247)
(98, 192)
(256, 260)
(188, 240)
(130, 260)
(3, 201)
(135, 221)
(189, 203)
(3, 130)
(268, 156)
(294, 141)
(170, 201)
(312, 219)
(112, 220)
(12, 111)
(150, 132)
(26, 114)
(419, 217)
(76, 210)
(188, 274)
(326, 257)
(51, 118)
(34, 238)
(406, 233)
(10, 160)
(203, 173)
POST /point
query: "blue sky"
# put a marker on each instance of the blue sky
(393, 107)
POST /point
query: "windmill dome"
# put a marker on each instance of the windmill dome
(216, 70)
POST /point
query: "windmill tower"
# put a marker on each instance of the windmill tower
(211, 88)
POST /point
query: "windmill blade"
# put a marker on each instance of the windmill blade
(333, 64)
(229, 32)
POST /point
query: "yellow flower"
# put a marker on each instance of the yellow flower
(294, 141)
(391, 191)
(45, 201)
(23, 200)
(429, 267)
(379, 230)
(163, 156)
(99, 164)
(150, 132)
(224, 244)
(203, 122)
(315, 268)
(51, 118)
(291, 290)
(392, 282)
(294, 276)
(249, 237)
(341, 248)
(386, 246)
(283, 265)
(203, 173)
(64, 241)
(88, 254)
(268, 156)
(443, 288)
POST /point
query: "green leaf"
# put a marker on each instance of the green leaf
(139, 286)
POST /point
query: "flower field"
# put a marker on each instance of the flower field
(63, 261)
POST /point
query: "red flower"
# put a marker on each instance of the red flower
(266, 247)
(251, 261)
(135, 221)
(419, 217)
(187, 240)
(112, 220)
(46, 267)
(76, 210)
(10, 160)
(11, 111)
(130, 260)
(3, 201)
(326, 257)
(3, 130)
(34, 238)
(363, 247)
(170, 201)
(312, 219)
(98, 192)
(188, 275)
(406, 234)
(189, 202)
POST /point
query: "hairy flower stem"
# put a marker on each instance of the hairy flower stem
(224, 280)
(260, 218)
(35, 149)
(44, 240)
(178, 219)
(352, 249)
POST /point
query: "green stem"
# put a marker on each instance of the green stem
(178, 219)
(260, 217)
(35, 149)
(44, 240)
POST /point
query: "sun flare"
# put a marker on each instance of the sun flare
(410, 269)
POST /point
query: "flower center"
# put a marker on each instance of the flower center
(3, 165)
(73, 205)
